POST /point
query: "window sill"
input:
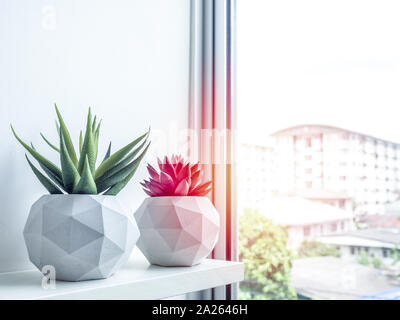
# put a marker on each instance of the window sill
(136, 280)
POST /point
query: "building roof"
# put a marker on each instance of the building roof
(390, 218)
(378, 238)
(378, 234)
(387, 220)
(308, 129)
(352, 241)
(320, 128)
(334, 278)
(319, 194)
(294, 211)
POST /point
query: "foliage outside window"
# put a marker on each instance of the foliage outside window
(366, 260)
(268, 262)
(314, 248)
(363, 258)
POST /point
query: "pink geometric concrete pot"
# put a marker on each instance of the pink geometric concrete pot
(177, 230)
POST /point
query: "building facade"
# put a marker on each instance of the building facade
(306, 220)
(256, 165)
(360, 172)
(375, 242)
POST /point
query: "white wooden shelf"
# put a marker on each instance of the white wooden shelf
(136, 280)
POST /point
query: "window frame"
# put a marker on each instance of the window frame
(212, 108)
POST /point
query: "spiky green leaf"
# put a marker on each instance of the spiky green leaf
(67, 137)
(70, 174)
(58, 128)
(86, 183)
(107, 153)
(97, 131)
(121, 164)
(58, 181)
(88, 148)
(51, 188)
(42, 160)
(94, 123)
(96, 139)
(49, 143)
(119, 180)
(116, 157)
(80, 142)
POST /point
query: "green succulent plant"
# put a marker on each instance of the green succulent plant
(78, 173)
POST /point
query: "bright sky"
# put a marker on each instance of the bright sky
(333, 62)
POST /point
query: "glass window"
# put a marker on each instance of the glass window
(318, 80)
(306, 231)
(333, 227)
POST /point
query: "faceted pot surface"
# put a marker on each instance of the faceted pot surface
(83, 237)
(177, 231)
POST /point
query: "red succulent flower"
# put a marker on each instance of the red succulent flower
(177, 177)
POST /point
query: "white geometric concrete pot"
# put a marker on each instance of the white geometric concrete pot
(82, 236)
(177, 230)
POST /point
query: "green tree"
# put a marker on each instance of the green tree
(363, 258)
(262, 248)
(376, 263)
(395, 254)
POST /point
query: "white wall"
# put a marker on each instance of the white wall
(128, 59)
